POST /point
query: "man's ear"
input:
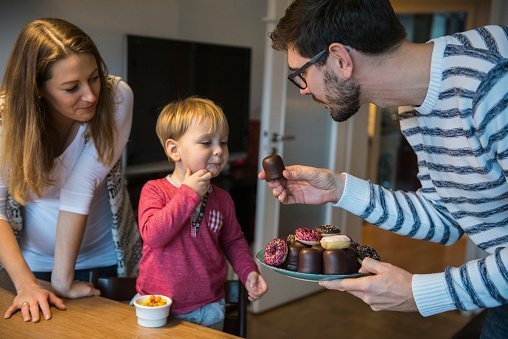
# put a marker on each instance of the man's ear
(339, 55)
(172, 150)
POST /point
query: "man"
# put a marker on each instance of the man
(350, 52)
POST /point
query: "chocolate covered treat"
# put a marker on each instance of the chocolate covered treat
(293, 254)
(310, 260)
(326, 230)
(334, 262)
(273, 166)
(340, 261)
(351, 260)
(318, 247)
(364, 251)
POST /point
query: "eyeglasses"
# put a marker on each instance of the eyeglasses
(297, 77)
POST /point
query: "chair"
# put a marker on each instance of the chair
(235, 321)
(116, 288)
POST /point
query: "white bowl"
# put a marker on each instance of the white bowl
(152, 316)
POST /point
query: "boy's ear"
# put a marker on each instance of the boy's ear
(171, 149)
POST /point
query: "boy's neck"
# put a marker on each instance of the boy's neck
(172, 181)
(176, 177)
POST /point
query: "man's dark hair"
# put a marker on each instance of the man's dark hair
(309, 26)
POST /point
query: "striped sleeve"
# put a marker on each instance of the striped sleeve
(404, 213)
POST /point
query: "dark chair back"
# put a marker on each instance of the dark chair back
(235, 321)
(116, 288)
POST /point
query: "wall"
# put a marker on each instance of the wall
(232, 22)
(499, 12)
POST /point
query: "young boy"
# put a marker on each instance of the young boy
(188, 224)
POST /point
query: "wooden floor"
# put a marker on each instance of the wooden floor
(333, 314)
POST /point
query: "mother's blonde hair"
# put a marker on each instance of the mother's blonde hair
(30, 143)
(176, 117)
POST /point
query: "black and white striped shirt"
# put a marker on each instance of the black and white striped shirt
(460, 136)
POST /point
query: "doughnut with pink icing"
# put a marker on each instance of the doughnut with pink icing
(276, 252)
(307, 236)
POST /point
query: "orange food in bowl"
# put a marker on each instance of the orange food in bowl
(153, 301)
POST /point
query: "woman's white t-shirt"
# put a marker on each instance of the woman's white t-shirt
(80, 187)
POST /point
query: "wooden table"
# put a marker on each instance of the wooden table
(93, 317)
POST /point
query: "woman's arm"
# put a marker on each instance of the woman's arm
(69, 233)
(76, 196)
(30, 296)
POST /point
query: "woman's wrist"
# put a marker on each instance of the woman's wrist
(27, 283)
(61, 281)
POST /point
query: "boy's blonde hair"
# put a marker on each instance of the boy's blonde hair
(176, 117)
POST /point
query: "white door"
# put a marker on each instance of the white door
(314, 139)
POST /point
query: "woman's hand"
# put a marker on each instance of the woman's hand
(33, 299)
(307, 185)
(389, 288)
(77, 289)
(255, 285)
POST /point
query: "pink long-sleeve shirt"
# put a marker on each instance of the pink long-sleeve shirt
(190, 270)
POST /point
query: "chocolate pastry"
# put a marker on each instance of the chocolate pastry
(273, 166)
(340, 261)
(318, 247)
(293, 254)
(352, 260)
(334, 262)
(310, 260)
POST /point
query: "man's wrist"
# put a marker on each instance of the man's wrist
(340, 183)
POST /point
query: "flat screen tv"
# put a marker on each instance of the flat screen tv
(161, 70)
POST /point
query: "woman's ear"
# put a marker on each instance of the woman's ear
(339, 55)
(171, 149)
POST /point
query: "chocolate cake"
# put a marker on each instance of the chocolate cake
(334, 262)
(273, 166)
(341, 261)
(310, 260)
(351, 260)
(294, 248)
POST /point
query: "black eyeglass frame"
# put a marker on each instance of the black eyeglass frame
(299, 71)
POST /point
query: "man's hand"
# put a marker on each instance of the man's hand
(389, 288)
(307, 185)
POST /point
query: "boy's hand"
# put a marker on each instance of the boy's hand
(199, 181)
(255, 285)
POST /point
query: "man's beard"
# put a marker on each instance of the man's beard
(342, 97)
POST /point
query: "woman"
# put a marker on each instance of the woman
(64, 125)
